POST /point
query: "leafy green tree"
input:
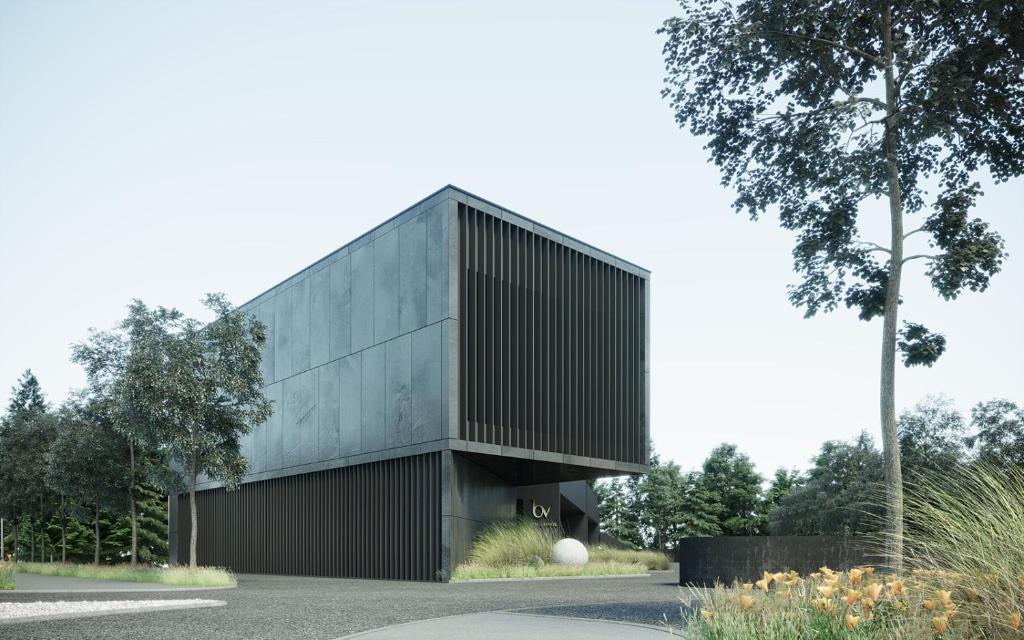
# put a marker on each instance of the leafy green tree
(999, 433)
(86, 466)
(121, 365)
(206, 394)
(661, 502)
(813, 107)
(839, 495)
(783, 482)
(931, 437)
(728, 477)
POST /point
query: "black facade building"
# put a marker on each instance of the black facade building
(456, 365)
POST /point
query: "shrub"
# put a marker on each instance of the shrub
(512, 542)
(177, 576)
(6, 576)
(653, 560)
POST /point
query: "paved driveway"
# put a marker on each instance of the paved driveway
(291, 607)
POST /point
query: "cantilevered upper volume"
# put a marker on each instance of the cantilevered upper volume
(492, 352)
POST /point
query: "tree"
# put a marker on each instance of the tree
(839, 495)
(813, 107)
(27, 396)
(206, 394)
(931, 437)
(121, 366)
(783, 482)
(700, 513)
(728, 477)
(619, 519)
(999, 433)
(85, 465)
(661, 501)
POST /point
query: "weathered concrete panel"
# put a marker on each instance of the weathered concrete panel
(282, 335)
(385, 287)
(319, 317)
(398, 372)
(341, 307)
(268, 356)
(300, 326)
(299, 419)
(275, 443)
(329, 410)
(373, 398)
(258, 453)
(362, 297)
(437, 262)
(412, 282)
(427, 373)
(350, 406)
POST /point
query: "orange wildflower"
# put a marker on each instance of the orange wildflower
(928, 604)
(873, 591)
(826, 591)
(1015, 620)
(855, 576)
(852, 622)
(940, 624)
(746, 602)
(852, 596)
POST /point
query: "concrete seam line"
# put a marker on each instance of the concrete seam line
(113, 612)
(358, 634)
(602, 620)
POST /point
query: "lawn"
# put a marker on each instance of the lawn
(175, 576)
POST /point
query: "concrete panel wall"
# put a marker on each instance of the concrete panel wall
(354, 360)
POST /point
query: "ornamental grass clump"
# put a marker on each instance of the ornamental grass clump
(513, 543)
(653, 560)
(6, 575)
(966, 529)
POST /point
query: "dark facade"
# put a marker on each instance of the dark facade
(426, 378)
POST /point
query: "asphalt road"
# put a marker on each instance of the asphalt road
(294, 607)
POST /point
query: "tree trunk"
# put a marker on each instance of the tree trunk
(131, 504)
(31, 539)
(15, 541)
(96, 531)
(63, 539)
(194, 532)
(890, 439)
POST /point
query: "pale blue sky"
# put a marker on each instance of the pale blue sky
(164, 149)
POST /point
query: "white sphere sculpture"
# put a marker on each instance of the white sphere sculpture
(570, 551)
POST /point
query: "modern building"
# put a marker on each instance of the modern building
(451, 367)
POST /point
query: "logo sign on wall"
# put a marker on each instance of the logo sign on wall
(540, 511)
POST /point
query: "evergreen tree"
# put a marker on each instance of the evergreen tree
(728, 477)
(27, 396)
(700, 512)
(618, 519)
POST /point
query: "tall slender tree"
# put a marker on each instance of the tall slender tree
(121, 366)
(206, 394)
(812, 107)
(85, 464)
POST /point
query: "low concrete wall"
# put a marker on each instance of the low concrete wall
(703, 561)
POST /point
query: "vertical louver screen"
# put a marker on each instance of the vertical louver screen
(551, 345)
(376, 520)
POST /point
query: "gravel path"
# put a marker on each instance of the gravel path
(291, 607)
(11, 612)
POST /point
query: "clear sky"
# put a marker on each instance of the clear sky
(161, 150)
